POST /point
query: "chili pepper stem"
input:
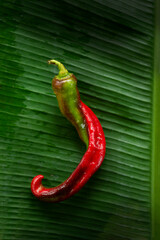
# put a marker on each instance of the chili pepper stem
(63, 72)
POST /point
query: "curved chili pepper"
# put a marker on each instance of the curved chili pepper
(95, 153)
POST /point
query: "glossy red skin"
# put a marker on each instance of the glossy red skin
(89, 164)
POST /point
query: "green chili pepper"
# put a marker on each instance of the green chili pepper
(65, 88)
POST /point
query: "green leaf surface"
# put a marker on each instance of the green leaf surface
(109, 46)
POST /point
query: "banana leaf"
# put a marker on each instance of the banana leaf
(112, 47)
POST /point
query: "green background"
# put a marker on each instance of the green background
(109, 46)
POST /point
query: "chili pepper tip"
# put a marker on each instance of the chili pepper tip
(36, 185)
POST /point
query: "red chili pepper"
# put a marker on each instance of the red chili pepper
(90, 162)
